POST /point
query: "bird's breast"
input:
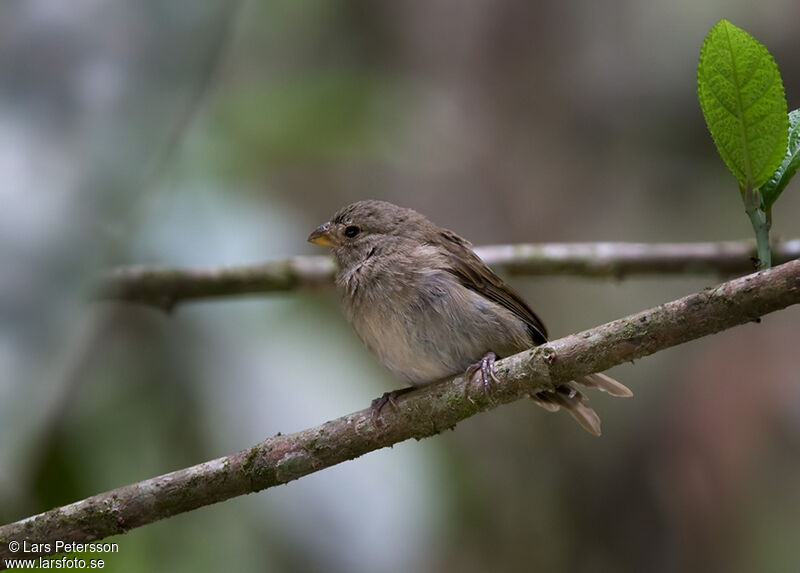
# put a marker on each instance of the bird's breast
(423, 325)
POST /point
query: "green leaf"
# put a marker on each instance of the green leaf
(772, 189)
(741, 95)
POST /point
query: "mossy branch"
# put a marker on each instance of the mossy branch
(165, 287)
(419, 414)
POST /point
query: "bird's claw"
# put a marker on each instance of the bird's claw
(486, 367)
(387, 398)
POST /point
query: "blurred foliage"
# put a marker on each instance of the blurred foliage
(147, 132)
(323, 118)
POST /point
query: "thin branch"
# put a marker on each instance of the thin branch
(210, 66)
(419, 414)
(165, 287)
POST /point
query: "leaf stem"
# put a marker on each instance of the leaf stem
(761, 221)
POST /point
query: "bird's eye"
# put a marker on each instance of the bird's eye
(351, 231)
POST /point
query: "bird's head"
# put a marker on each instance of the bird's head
(365, 228)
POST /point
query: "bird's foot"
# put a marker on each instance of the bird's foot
(387, 398)
(486, 367)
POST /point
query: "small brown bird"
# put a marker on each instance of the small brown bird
(428, 307)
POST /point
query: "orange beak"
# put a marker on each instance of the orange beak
(321, 235)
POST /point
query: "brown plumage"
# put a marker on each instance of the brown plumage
(428, 307)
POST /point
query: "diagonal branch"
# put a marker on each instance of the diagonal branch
(419, 414)
(165, 287)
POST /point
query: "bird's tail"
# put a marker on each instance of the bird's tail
(568, 396)
(606, 384)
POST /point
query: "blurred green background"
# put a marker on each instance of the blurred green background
(217, 133)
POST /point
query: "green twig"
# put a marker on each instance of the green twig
(761, 222)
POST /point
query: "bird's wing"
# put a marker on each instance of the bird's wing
(473, 273)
